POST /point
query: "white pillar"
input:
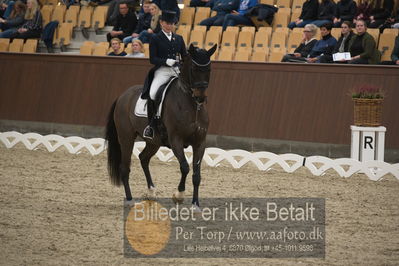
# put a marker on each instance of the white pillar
(368, 143)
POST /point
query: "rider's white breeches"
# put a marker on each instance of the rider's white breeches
(161, 76)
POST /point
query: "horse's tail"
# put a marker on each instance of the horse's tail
(113, 149)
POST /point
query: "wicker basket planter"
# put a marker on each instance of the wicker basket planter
(367, 112)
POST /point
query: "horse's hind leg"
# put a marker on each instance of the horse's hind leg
(145, 157)
(126, 154)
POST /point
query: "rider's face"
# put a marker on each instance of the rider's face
(167, 26)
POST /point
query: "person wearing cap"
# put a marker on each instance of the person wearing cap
(166, 48)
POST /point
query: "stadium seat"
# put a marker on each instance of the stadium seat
(99, 17)
(235, 29)
(375, 33)
(64, 34)
(30, 46)
(4, 44)
(47, 11)
(146, 49)
(267, 2)
(392, 31)
(268, 30)
(286, 31)
(250, 29)
(278, 42)
(197, 38)
(261, 41)
(259, 56)
(283, 3)
(225, 55)
(16, 46)
(295, 14)
(297, 4)
(184, 32)
(200, 28)
(87, 48)
(245, 40)
(242, 55)
(52, 2)
(217, 28)
(187, 16)
(336, 33)
(229, 40)
(212, 38)
(276, 56)
(59, 13)
(71, 15)
(294, 40)
(85, 16)
(280, 20)
(201, 14)
(386, 45)
(100, 50)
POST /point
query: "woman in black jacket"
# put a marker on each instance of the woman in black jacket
(381, 10)
(308, 14)
(326, 12)
(16, 19)
(32, 28)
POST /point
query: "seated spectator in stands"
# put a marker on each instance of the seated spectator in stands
(200, 3)
(238, 17)
(362, 46)
(308, 14)
(14, 20)
(6, 8)
(137, 49)
(32, 27)
(143, 24)
(155, 25)
(342, 45)
(381, 10)
(323, 46)
(116, 48)
(113, 9)
(363, 10)
(393, 21)
(302, 51)
(222, 7)
(346, 10)
(326, 12)
(125, 23)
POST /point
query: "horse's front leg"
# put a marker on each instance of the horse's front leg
(198, 153)
(178, 151)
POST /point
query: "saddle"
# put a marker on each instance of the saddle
(140, 109)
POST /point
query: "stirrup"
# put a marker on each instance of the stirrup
(148, 132)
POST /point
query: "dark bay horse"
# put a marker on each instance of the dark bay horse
(184, 116)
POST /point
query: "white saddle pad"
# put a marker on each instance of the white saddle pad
(140, 109)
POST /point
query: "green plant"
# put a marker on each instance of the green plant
(368, 92)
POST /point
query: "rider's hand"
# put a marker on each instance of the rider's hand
(170, 62)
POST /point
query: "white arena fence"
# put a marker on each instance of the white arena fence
(264, 161)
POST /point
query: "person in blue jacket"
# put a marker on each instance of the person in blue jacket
(238, 17)
(222, 7)
(323, 46)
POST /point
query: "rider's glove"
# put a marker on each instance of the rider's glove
(170, 62)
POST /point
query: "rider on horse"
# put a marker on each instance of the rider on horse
(166, 48)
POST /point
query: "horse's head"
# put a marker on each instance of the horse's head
(196, 70)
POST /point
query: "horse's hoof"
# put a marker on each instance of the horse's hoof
(196, 209)
(178, 197)
(151, 193)
(130, 203)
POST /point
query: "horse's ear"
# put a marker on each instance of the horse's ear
(212, 50)
(191, 48)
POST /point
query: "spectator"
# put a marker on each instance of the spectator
(200, 3)
(222, 7)
(308, 14)
(393, 21)
(116, 48)
(380, 12)
(326, 13)
(362, 46)
(137, 49)
(5, 8)
(32, 27)
(125, 24)
(323, 46)
(155, 27)
(302, 51)
(113, 9)
(342, 45)
(143, 24)
(14, 20)
(238, 17)
(363, 11)
(346, 10)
